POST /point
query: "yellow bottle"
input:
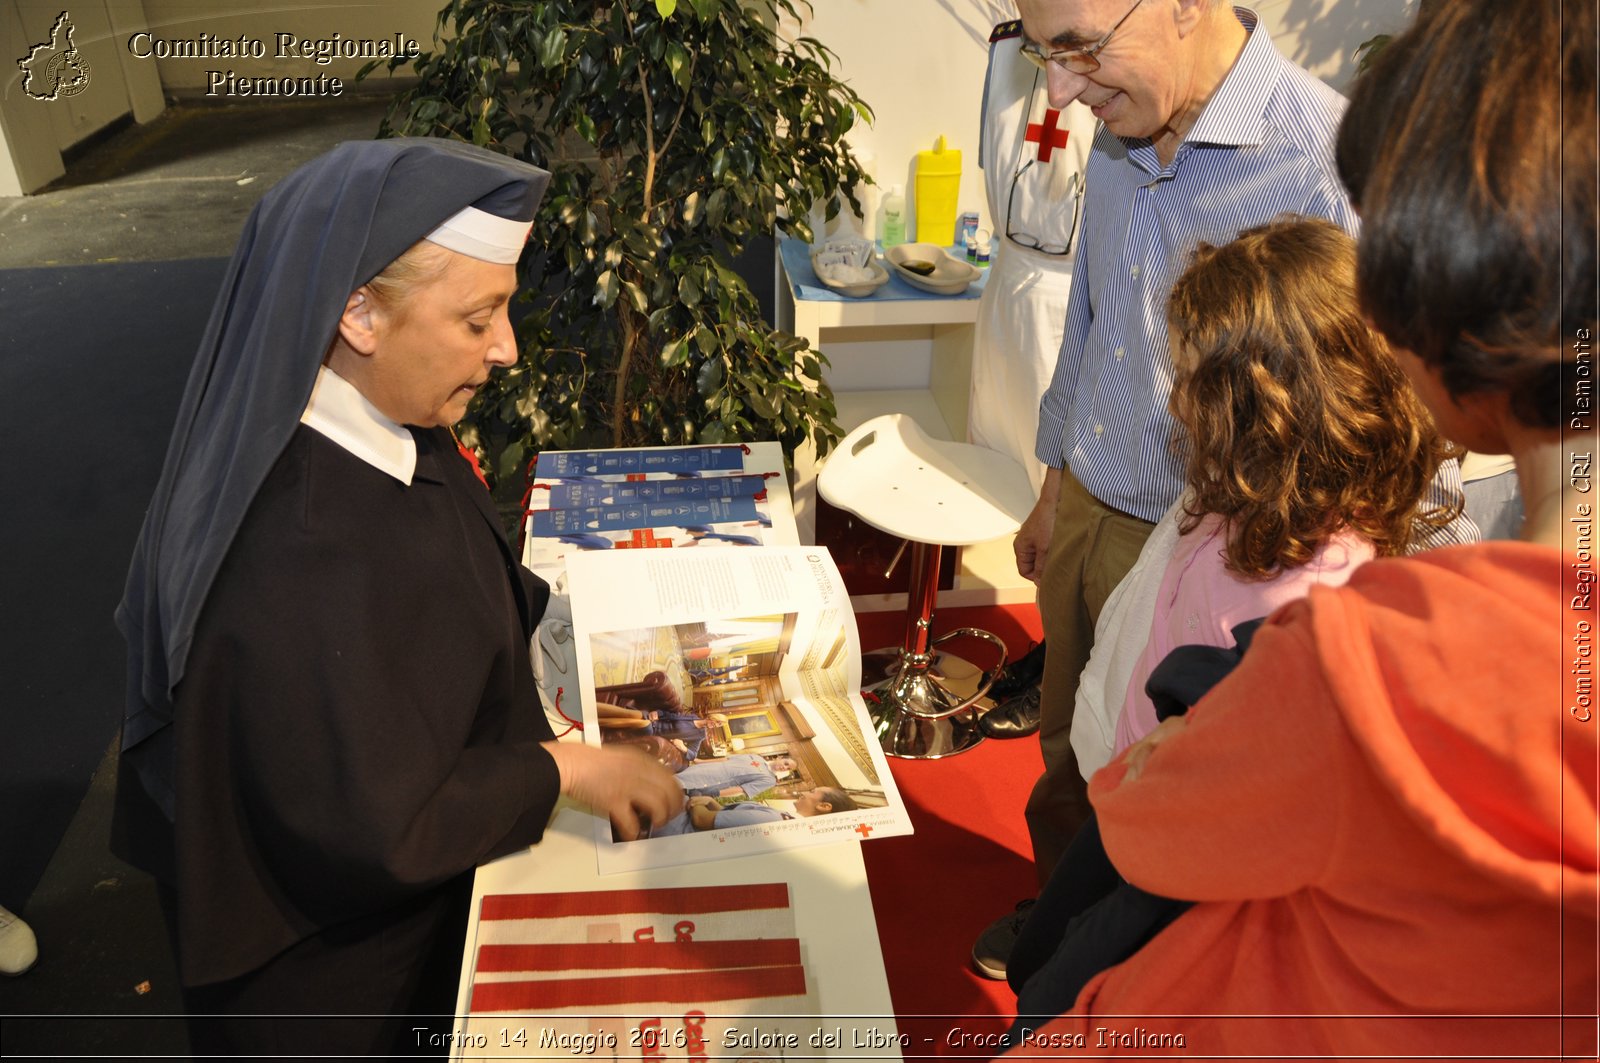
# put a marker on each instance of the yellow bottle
(938, 189)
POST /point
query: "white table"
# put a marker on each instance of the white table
(829, 895)
(833, 919)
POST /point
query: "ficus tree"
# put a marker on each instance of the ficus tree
(676, 131)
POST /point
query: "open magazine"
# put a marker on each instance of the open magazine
(741, 670)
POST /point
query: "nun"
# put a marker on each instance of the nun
(331, 713)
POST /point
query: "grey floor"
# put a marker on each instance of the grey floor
(180, 187)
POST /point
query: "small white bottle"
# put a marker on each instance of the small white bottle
(893, 212)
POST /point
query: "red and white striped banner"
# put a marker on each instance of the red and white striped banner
(659, 974)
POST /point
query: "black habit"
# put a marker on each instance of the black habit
(332, 716)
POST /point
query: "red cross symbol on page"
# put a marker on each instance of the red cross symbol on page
(1046, 135)
(863, 830)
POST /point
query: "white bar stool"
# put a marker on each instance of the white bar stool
(892, 475)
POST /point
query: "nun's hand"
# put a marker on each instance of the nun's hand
(623, 784)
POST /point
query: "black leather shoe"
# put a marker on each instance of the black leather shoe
(1019, 675)
(1017, 717)
(992, 952)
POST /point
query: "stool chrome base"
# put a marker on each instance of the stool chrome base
(923, 706)
(900, 706)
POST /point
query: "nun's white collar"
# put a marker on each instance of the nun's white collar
(340, 412)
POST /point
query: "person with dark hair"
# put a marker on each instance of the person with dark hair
(1206, 129)
(332, 716)
(1387, 810)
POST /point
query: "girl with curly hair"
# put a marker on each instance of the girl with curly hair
(1307, 451)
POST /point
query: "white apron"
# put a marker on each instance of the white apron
(1033, 158)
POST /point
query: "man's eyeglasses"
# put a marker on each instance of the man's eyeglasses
(1074, 192)
(1076, 60)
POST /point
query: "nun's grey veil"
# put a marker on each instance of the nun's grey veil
(318, 235)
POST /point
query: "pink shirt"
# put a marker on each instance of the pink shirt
(1200, 602)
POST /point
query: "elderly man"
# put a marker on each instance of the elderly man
(332, 716)
(1207, 130)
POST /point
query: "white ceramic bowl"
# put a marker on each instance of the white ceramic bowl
(859, 289)
(950, 275)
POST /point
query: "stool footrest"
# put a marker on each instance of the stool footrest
(915, 713)
(989, 673)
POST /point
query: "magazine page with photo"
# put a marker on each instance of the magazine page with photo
(740, 670)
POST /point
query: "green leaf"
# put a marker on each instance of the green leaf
(666, 7)
(717, 207)
(636, 293)
(509, 468)
(709, 380)
(688, 290)
(691, 208)
(606, 289)
(552, 48)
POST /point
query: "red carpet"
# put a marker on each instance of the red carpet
(967, 863)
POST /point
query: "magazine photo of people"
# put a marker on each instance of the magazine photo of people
(758, 713)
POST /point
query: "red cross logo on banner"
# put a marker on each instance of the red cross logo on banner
(1046, 135)
(863, 830)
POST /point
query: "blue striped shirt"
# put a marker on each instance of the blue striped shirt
(1262, 146)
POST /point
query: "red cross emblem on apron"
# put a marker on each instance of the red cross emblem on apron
(1046, 135)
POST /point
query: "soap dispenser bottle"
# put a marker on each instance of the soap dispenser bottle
(893, 212)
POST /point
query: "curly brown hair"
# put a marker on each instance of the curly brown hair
(1297, 421)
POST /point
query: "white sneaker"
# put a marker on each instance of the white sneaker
(18, 947)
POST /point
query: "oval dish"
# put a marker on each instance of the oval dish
(950, 275)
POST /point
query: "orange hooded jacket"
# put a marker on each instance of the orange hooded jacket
(1387, 814)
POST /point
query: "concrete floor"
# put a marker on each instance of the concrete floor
(180, 186)
(106, 983)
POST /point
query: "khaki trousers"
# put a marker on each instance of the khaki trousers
(1092, 546)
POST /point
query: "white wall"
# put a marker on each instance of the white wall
(1322, 35)
(919, 64)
